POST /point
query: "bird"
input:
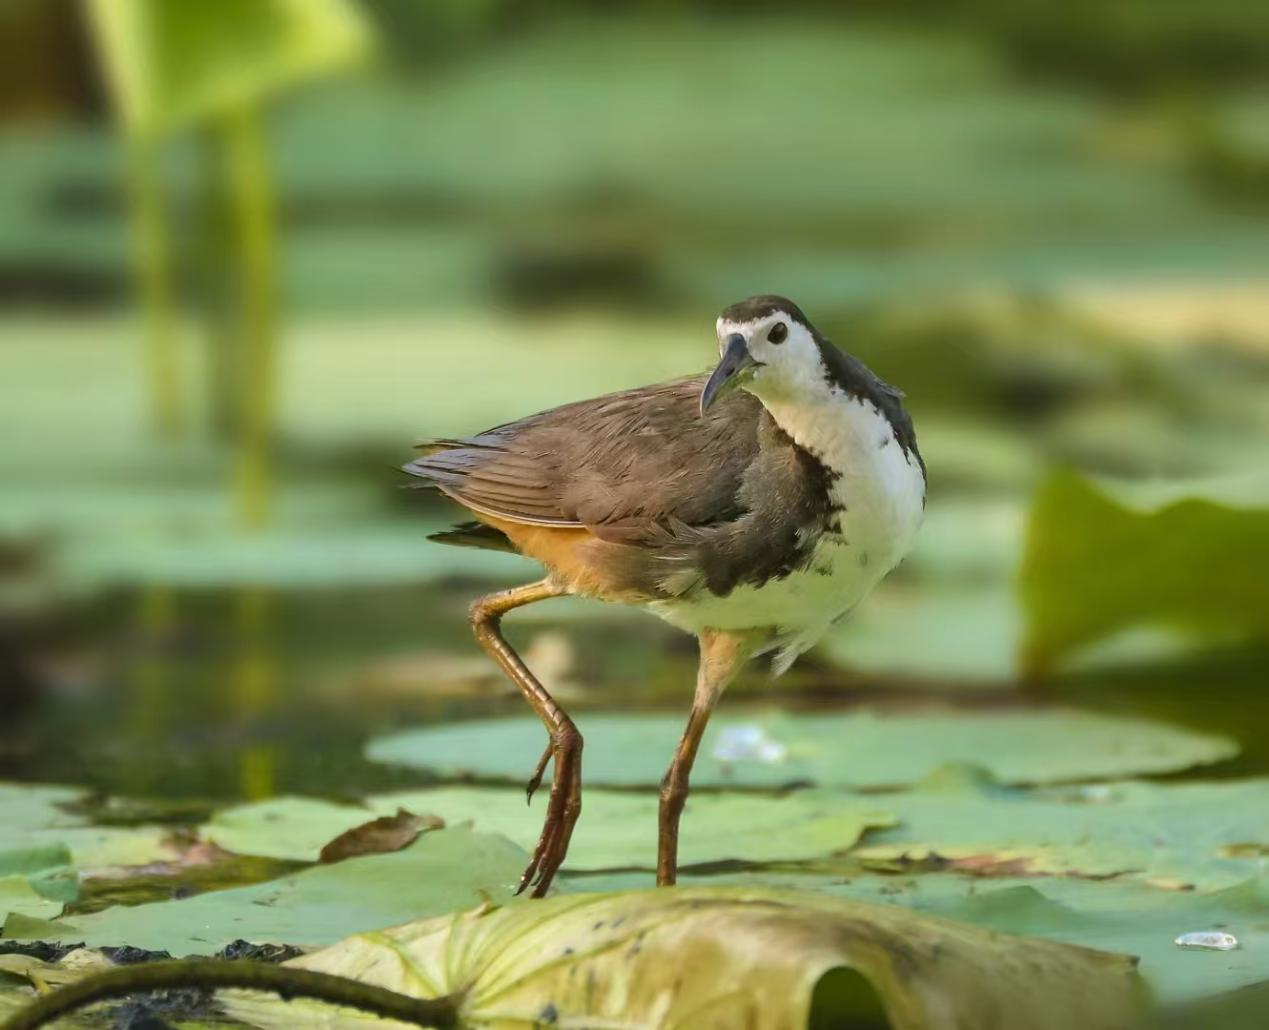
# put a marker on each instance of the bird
(752, 506)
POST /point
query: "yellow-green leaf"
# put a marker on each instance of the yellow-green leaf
(171, 62)
(716, 956)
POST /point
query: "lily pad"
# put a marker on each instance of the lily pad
(617, 829)
(33, 816)
(286, 827)
(767, 958)
(859, 748)
(1174, 835)
(17, 895)
(439, 872)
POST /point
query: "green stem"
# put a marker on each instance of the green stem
(252, 201)
(153, 265)
(284, 981)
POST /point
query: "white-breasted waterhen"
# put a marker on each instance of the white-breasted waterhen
(753, 507)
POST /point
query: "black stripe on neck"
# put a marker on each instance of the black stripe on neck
(853, 377)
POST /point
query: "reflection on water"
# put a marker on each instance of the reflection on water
(249, 693)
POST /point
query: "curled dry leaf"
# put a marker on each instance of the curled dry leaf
(761, 958)
(387, 833)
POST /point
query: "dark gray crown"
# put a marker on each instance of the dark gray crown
(762, 306)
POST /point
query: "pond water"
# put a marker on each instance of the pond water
(203, 697)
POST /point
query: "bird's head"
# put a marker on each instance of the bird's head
(768, 347)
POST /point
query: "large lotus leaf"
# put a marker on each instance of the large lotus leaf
(1207, 835)
(617, 829)
(286, 827)
(171, 63)
(32, 816)
(702, 956)
(18, 895)
(1126, 917)
(1094, 567)
(860, 748)
(46, 870)
(441, 871)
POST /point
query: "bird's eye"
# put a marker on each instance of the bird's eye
(778, 333)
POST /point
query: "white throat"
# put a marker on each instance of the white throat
(879, 488)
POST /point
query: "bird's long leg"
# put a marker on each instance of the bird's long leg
(565, 747)
(722, 655)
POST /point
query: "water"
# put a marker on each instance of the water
(207, 697)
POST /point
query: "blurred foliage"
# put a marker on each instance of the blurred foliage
(1093, 567)
(171, 64)
(1046, 224)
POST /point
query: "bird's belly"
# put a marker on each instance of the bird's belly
(835, 579)
(879, 500)
(842, 569)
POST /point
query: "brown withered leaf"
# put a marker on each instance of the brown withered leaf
(387, 833)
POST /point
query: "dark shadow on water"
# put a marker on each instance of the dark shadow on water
(208, 696)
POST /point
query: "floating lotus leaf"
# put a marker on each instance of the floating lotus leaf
(33, 816)
(859, 748)
(1204, 835)
(441, 871)
(618, 829)
(287, 827)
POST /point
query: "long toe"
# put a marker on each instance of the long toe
(556, 849)
(535, 781)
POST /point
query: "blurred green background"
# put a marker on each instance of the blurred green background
(251, 251)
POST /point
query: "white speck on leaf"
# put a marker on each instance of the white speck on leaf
(748, 744)
(1208, 940)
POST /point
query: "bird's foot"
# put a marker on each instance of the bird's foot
(562, 809)
(535, 781)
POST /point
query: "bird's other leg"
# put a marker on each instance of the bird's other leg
(565, 747)
(722, 655)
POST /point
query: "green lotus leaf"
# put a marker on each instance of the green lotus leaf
(620, 829)
(35, 822)
(285, 827)
(17, 894)
(1183, 835)
(1127, 917)
(682, 958)
(170, 64)
(441, 871)
(1094, 567)
(617, 830)
(860, 748)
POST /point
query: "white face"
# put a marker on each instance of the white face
(788, 359)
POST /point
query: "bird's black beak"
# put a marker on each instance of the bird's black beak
(736, 366)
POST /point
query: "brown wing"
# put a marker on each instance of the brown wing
(623, 466)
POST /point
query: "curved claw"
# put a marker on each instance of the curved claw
(535, 781)
(563, 808)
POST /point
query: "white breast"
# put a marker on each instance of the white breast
(881, 493)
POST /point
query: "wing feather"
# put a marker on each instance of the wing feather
(617, 465)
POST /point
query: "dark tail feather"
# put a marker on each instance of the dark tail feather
(475, 534)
